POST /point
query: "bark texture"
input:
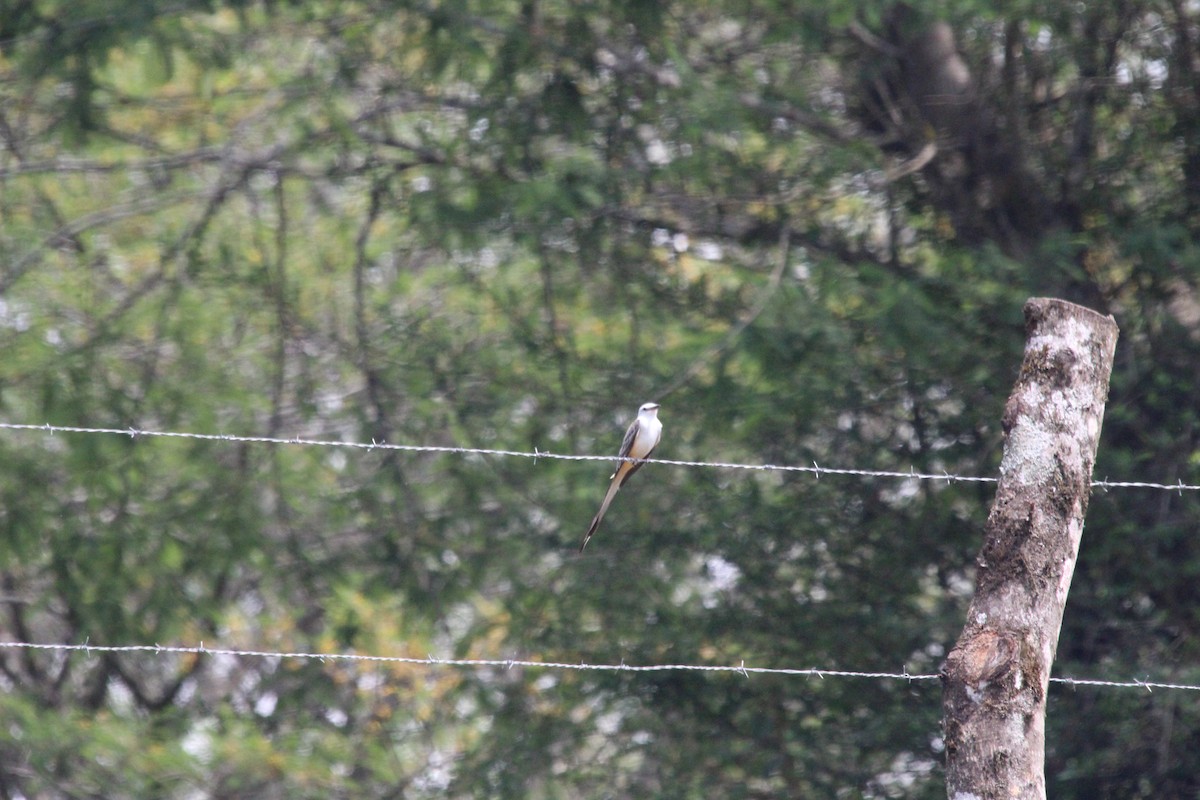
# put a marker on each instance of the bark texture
(995, 678)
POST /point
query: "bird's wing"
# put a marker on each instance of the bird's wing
(626, 446)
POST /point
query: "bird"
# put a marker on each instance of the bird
(640, 441)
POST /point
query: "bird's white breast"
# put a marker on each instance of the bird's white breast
(649, 432)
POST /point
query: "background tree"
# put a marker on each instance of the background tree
(807, 230)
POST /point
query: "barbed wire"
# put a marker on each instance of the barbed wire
(509, 663)
(816, 469)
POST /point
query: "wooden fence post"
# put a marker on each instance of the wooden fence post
(995, 679)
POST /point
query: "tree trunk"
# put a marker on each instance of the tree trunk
(995, 678)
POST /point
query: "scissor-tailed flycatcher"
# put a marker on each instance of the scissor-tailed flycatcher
(640, 441)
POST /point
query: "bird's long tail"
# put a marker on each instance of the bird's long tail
(608, 498)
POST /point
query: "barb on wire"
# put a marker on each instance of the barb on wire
(508, 663)
(816, 469)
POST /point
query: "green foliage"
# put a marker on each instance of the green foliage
(505, 225)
